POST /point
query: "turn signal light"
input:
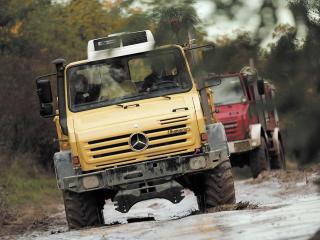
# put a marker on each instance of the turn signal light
(204, 137)
(75, 160)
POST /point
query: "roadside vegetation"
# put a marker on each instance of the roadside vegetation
(26, 189)
(34, 32)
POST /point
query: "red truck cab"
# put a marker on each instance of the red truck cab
(244, 105)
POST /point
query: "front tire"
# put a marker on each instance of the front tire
(259, 159)
(83, 209)
(219, 186)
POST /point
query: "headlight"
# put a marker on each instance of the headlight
(90, 182)
(197, 163)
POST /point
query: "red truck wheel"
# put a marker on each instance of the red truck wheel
(83, 209)
(219, 186)
(259, 159)
(278, 161)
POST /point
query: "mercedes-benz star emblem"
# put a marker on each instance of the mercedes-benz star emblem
(138, 142)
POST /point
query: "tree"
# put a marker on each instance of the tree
(175, 22)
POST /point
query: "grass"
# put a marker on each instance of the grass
(24, 184)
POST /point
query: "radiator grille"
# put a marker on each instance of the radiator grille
(230, 127)
(116, 149)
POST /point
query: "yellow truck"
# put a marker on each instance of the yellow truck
(133, 124)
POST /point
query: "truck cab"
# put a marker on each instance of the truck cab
(132, 126)
(244, 104)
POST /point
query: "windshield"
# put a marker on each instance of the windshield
(123, 79)
(229, 91)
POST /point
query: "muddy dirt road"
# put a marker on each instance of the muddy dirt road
(277, 205)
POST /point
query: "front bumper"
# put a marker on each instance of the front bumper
(119, 177)
(242, 146)
(122, 177)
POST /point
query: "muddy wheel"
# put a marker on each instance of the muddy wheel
(83, 209)
(278, 161)
(219, 186)
(259, 159)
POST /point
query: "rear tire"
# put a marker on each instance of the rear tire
(259, 159)
(219, 186)
(83, 209)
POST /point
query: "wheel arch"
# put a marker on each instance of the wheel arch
(277, 139)
(256, 132)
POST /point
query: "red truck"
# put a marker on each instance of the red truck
(244, 103)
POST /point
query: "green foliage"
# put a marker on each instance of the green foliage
(24, 183)
(232, 55)
(176, 22)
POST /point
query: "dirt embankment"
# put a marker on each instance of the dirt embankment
(48, 216)
(290, 176)
(28, 195)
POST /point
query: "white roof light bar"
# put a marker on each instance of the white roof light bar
(120, 44)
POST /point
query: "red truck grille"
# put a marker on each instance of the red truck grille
(230, 127)
(234, 129)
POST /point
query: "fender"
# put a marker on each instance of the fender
(256, 132)
(63, 167)
(276, 140)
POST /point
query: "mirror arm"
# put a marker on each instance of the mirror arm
(50, 116)
(202, 86)
(211, 45)
(47, 75)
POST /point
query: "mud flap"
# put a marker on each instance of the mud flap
(276, 141)
(63, 167)
(125, 199)
(217, 140)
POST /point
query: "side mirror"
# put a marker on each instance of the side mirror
(44, 91)
(46, 110)
(45, 97)
(260, 86)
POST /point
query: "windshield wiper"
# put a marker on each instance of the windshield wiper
(166, 97)
(134, 96)
(121, 105)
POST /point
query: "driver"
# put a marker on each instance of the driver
(157, 74)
